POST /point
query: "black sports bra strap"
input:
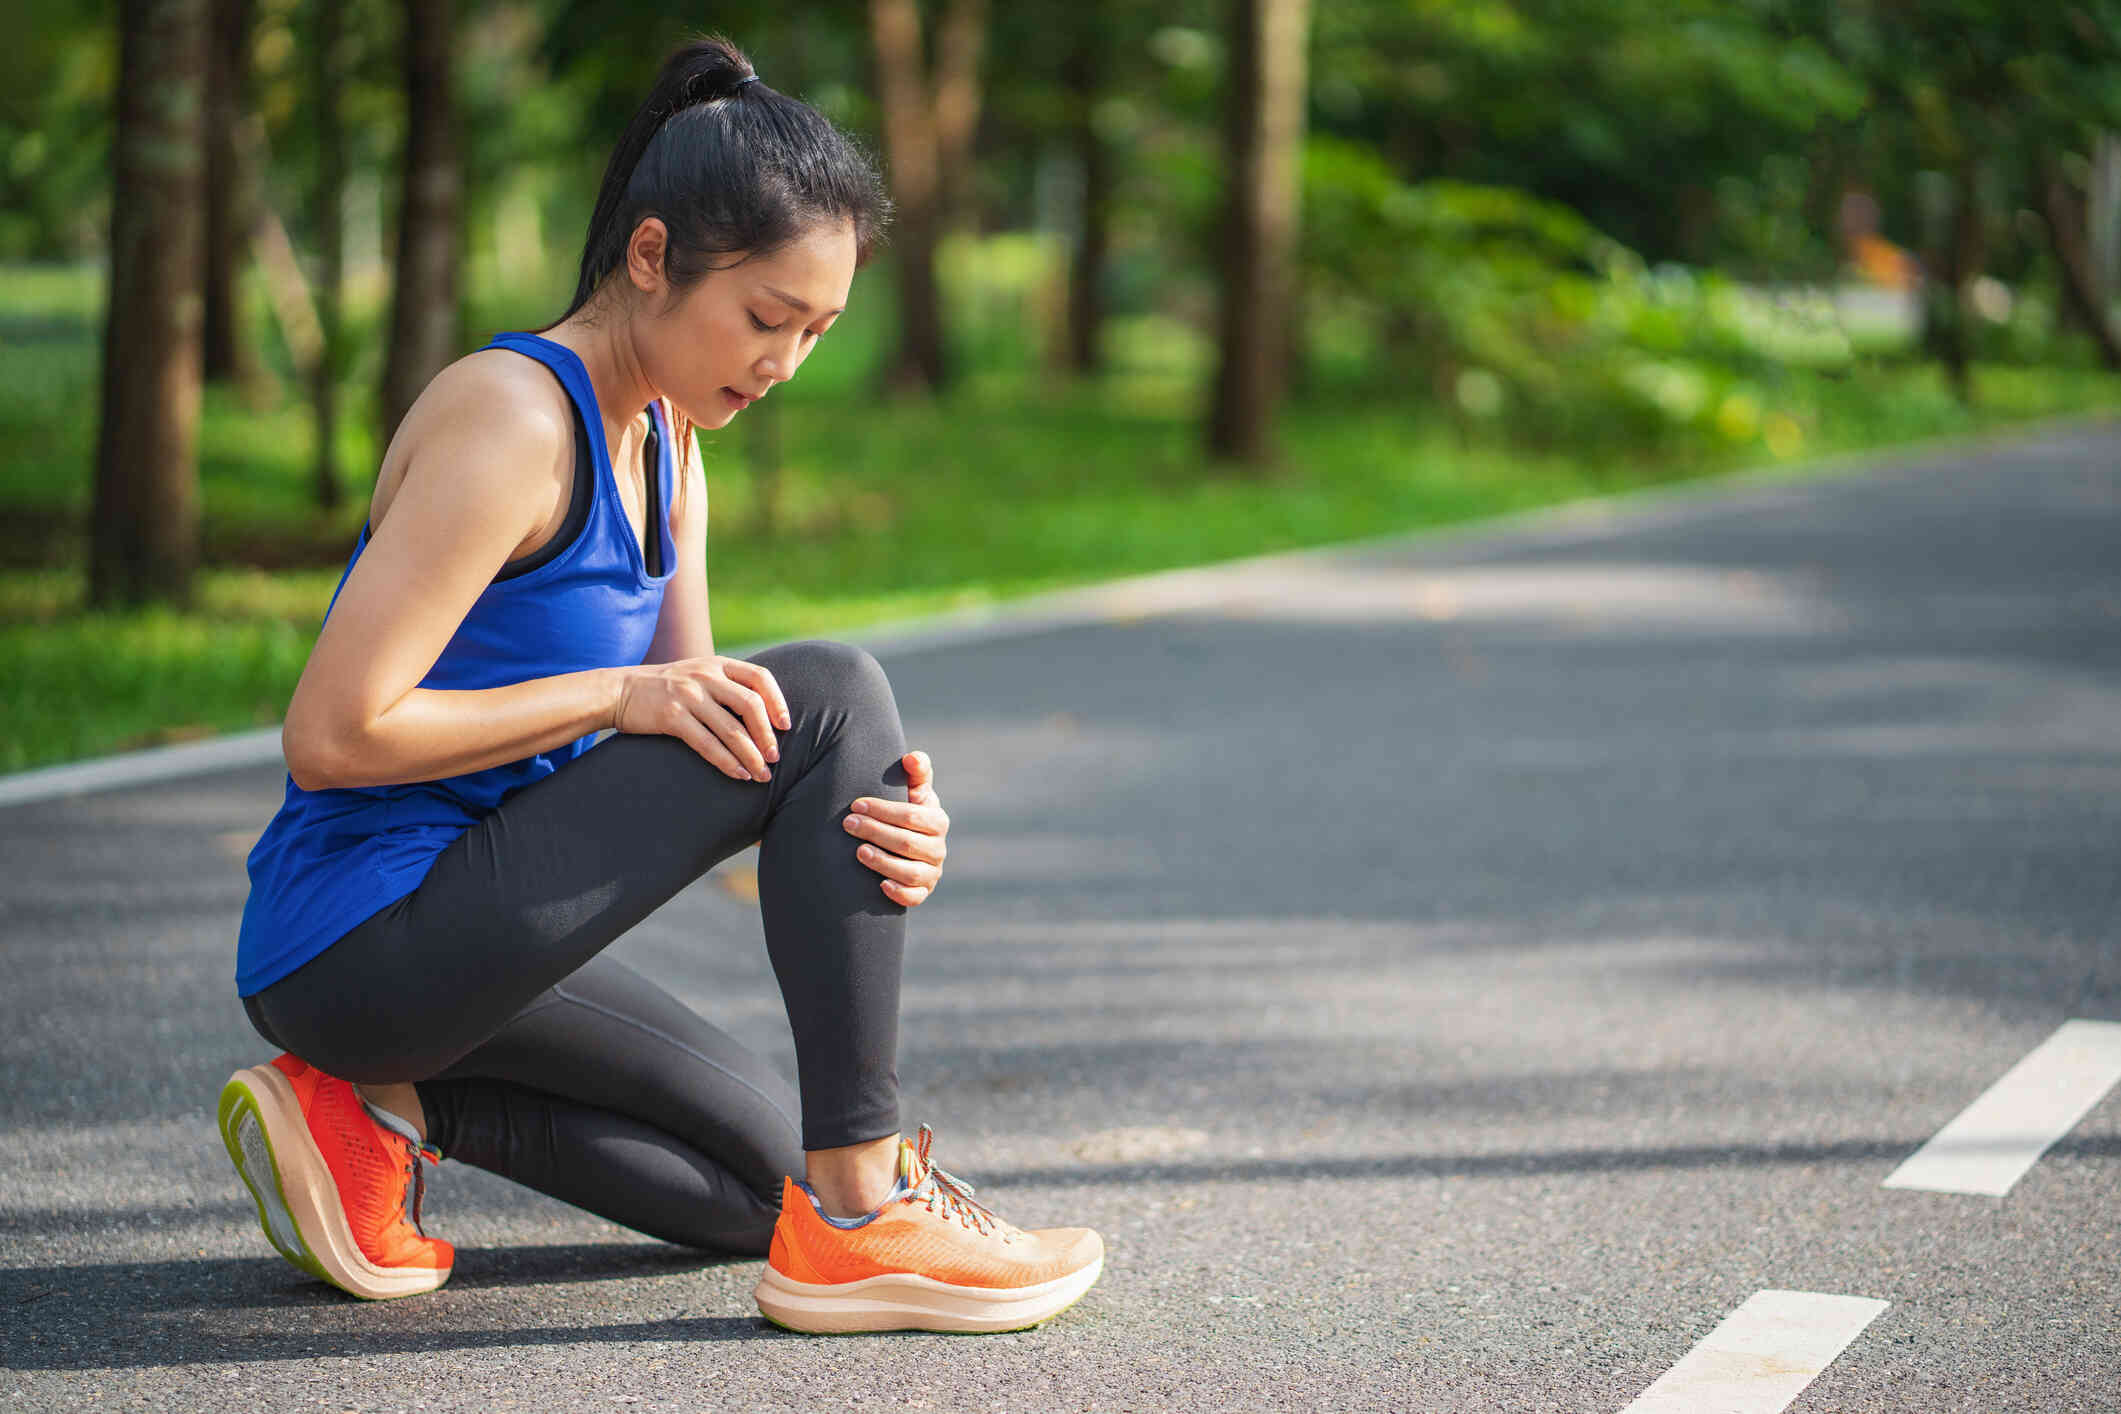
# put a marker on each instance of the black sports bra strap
(652, 510)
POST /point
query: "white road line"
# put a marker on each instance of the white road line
(1761, 1356)
(1998, 1137)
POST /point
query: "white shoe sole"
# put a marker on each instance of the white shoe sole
(298, 1204)
(906, 1302)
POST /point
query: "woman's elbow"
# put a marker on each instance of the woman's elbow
(316, 757)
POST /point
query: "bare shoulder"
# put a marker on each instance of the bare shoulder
(495, 393)
(494, 417)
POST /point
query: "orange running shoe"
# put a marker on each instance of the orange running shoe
(928, 1259)
(338, 1192)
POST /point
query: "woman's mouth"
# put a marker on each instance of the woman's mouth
(737, 400)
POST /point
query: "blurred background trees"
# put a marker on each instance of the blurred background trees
(1263, 117)
(1647, 229)
(146, 507)
(929, 112)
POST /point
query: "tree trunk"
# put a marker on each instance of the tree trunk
(231, 193)
(423, 314)
(2080, 283)
(327, 78)
(1826, 179)
(1086, 264)
(2102, 218)
(1938, 295)
(926, 135)
(1964, 258)
(145, 533)
(920, 364)
(960, 43)
(909, 143)
(1265, 116)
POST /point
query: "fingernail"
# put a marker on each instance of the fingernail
(762, 775)
(851, 822)
(860, 807)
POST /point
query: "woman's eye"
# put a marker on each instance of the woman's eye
(762, 326)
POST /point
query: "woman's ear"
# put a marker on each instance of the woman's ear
(644, 255)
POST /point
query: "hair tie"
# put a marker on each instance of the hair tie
(748, 78)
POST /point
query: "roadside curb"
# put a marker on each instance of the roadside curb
(139, 768)
(1170, 591)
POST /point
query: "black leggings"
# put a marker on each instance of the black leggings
(570, 1073)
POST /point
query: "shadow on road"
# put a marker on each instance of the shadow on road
(148, 1313)
(1510, 1165)
(128, 1314)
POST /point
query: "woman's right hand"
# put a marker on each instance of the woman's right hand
(723, 708)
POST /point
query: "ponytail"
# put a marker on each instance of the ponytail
(730, 166)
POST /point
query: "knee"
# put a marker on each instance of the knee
(823, 669)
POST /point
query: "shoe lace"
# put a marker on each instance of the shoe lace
(417, 1156)
(951, 1196)
(398, 1137)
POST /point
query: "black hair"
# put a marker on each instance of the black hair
(729, 165)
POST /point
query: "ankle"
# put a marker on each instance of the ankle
(401, 1100)
(853, 1180)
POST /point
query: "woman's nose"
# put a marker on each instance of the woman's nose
(781, 367)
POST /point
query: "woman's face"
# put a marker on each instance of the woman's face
(742, 329)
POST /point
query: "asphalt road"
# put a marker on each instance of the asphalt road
(1453, 974)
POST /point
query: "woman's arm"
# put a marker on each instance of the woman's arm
(683, 630)
(483, 464)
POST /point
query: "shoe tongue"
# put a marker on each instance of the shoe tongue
(400, 1127)
(910, 1169)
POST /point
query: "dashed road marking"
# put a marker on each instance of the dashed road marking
(1761, 1356)
(1997, 1138)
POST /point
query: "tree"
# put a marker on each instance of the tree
(1988, 94)
(929, 121)
(145, 534)
(1089, 58)
(327, 77)
(1643, 116)
(2080, 278)
(1264, 140)
(231, 191)
(423, 311)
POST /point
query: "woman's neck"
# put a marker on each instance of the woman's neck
(615, 374)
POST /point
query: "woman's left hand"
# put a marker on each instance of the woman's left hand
(904, 842)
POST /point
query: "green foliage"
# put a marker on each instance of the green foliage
(1632, 112)
(48, 370)
(75, 684)
(1503, 307)
(58, 71)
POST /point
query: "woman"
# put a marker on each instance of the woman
(428, 911)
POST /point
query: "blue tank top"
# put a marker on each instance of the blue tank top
(331, 858)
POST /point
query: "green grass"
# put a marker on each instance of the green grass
(1017, 482)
